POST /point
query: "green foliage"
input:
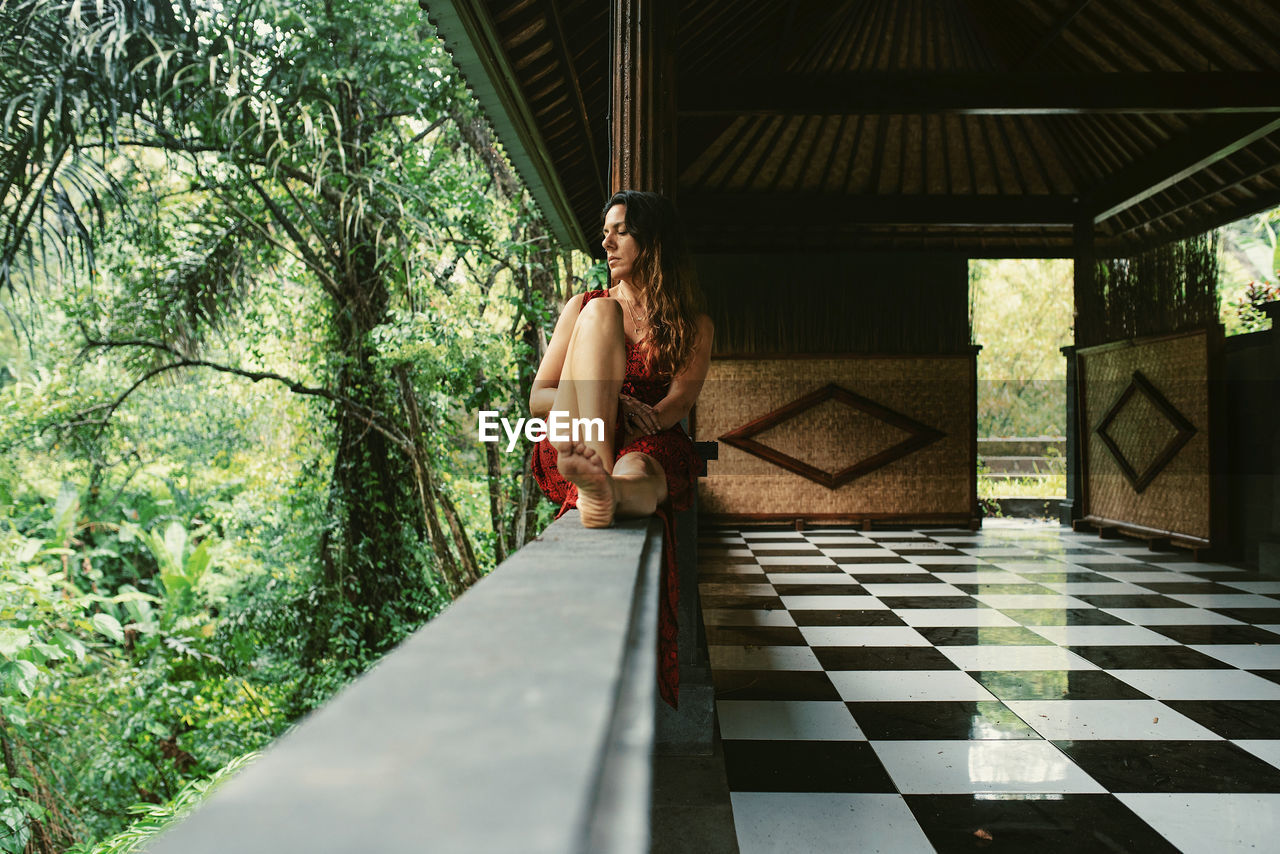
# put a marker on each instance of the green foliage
(1250, 272)
(1022, 316)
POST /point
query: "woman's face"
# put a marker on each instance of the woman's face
(620, 246)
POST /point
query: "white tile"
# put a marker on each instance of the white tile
(1246, 656)
(1266, 749)
(806, 720)
(1274, 629)
(963, 767)
(960, 560)
(1210, 823)
(1103, 636)
(727, 657)
(811, 578)
(1256, 587)
(1177, 684)
(870, 686)
(1170, 616)
(837, 540)
(1225, 600)
(1103, 558)
(984, 576)
(1031, 600)
(1022, 567)
(921, 589)
(1015, 658)
(794, 560)
(837, 552)
(1094, 588)
(833, 603)
(795, 822)
(734, 589)
(862, 636)
(922, 617)
(746, 617)
(1084, 720)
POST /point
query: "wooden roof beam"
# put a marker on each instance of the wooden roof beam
(1178, 160)
(733, 209)
(1026, 93)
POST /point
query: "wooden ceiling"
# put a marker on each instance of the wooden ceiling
(987, 127)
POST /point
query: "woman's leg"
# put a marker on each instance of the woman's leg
(636, 487)
(594, 369)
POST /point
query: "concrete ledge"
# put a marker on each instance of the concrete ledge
(520, 720)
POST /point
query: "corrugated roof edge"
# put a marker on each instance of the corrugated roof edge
(468, 35)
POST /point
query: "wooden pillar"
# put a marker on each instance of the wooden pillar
(1084, 290)
(642, 105)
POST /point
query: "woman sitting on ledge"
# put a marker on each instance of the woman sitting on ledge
(635, 356)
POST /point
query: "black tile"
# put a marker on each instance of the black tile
(1116, 567)
(1256, 616)
(1125, 600)
(1200, 587)
(1044, 824)
(1082, 550)
(894, 578)
(882, 658)
(1055, 685)
(1148, 657)
(722, 600)
(1172, 766)
(860, 544)
(1216, 634)
(909, 602)
(961, 567)
(731, 578)
(1273, 675)
(1016, 589)
(849, 561)
(862, 617)
(1062, 617)
(938, 552)
(754, 636)
(819, 589)
(1059, 577)
(773, 685)
(806, 551)
(924, 721)
(803, 766)
(801, 567)
(982, 636)
(1233, 718)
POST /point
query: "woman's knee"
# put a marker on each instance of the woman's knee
(639, 463)
(602, 314)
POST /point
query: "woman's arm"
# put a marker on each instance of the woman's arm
(547, 380)
(686, 385)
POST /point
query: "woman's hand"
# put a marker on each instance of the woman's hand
(638, 419)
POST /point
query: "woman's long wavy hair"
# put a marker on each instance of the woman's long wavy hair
(663, 274)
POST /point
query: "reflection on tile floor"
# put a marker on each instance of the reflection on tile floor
(901, 691)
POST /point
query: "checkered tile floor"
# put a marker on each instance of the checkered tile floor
(919, 691)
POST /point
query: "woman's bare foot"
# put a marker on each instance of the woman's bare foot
(581, 466)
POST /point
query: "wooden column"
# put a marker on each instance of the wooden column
(642, 105)
(1084, 293)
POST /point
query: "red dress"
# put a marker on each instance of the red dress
(673, 450)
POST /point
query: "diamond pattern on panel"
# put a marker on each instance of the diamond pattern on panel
(1143, 431)
(752, 437)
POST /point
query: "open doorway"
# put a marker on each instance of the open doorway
(1021, 314)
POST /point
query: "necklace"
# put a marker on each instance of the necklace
(635, 324)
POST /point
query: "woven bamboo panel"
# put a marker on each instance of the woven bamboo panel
(934, 481)
(1178, 499)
